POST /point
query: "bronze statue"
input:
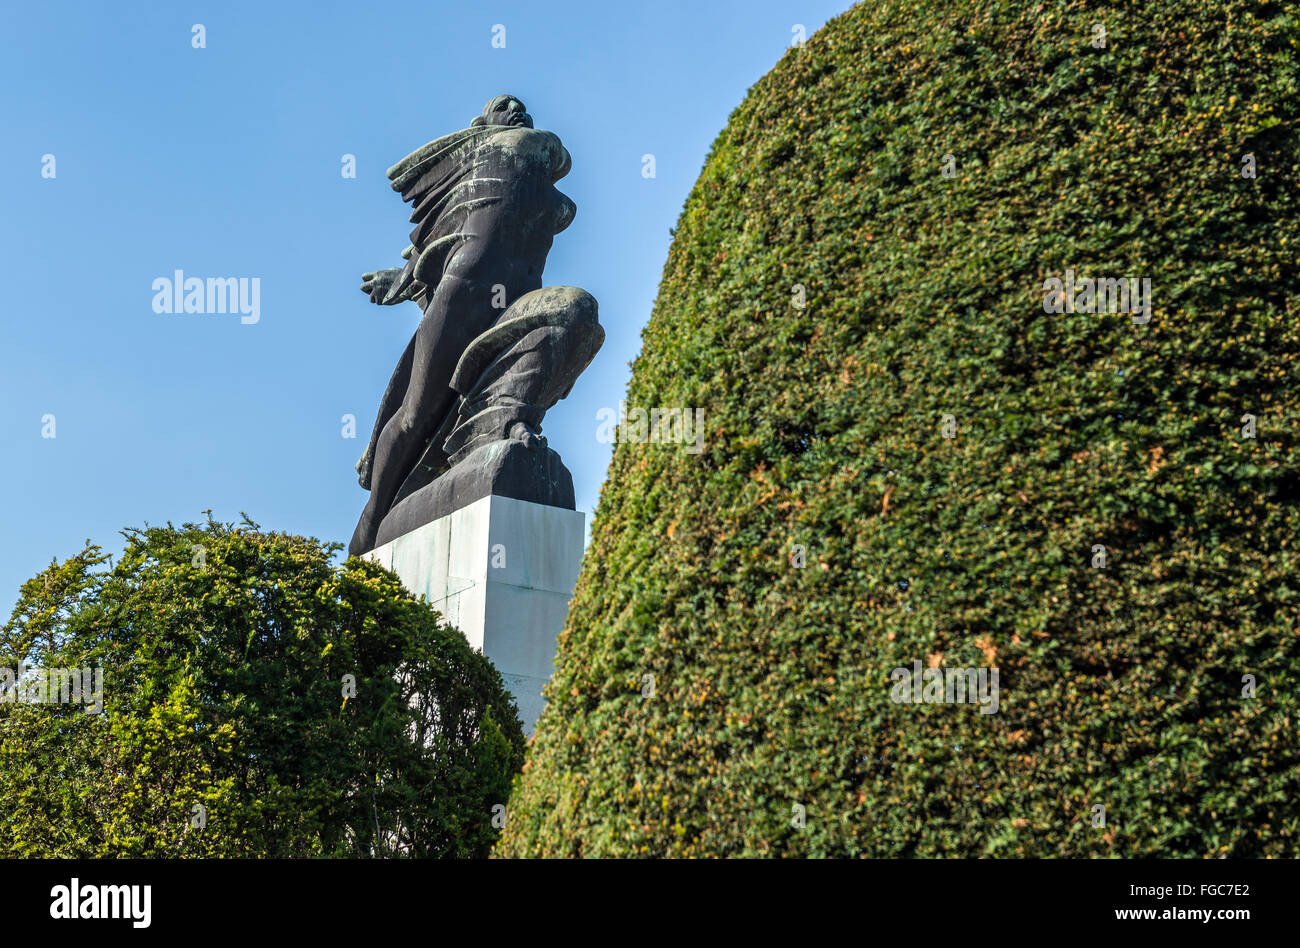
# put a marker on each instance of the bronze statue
(461, 417)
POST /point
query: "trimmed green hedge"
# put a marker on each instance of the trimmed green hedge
(1120, 686)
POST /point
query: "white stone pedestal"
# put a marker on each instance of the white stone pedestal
(502, 571)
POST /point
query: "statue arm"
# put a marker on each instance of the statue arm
(394, 285)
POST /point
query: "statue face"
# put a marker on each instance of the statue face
(506, 110)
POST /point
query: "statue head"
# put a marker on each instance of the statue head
(504, 110)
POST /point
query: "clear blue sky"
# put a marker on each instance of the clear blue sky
(225, 161)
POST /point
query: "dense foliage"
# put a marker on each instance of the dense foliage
(1122, 685)
(228, 726)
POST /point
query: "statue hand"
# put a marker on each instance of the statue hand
(377, 284)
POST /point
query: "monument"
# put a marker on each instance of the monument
(468, 504)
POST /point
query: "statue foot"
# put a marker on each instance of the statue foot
(530, 438)
(363, 540)
(363, 469)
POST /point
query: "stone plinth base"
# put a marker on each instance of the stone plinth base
(502, 571)
(502, 468)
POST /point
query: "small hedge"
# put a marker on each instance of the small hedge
(1122, 686)
(257, 701)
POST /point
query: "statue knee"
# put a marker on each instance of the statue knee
(406, 422)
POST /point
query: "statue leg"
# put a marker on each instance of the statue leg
(388, 406)
(524, 381)
(458, 312)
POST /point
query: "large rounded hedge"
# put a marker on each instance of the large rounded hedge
(1158, 682)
